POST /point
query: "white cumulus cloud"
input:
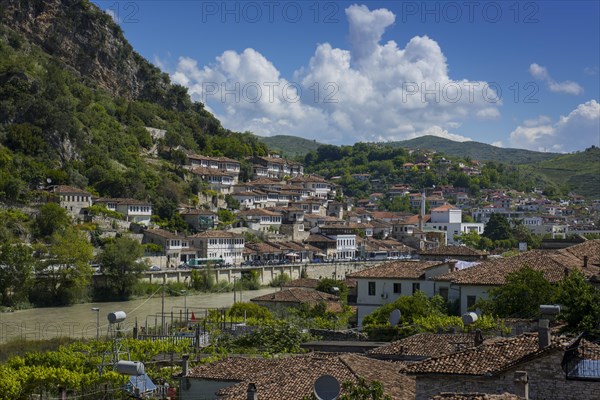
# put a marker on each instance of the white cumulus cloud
(578, 130)
(370, 91)
(567, 87)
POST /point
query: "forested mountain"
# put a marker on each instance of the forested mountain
(474, 150)
(75, 101)
(578, 172)
(290, 146)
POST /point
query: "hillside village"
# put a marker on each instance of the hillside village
(393, 270)
(290, 216)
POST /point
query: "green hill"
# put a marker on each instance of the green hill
(474, 150)
(290, 146)
(577, 172)
(75, 101)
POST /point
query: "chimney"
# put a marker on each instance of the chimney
(251, 393)
(521, 381)
(543, 334)
(452, 265)
(185, 364)
(585, 261)
(478, 340)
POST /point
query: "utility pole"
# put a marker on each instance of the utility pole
(234, 294)
(162, 310)
(97, 310)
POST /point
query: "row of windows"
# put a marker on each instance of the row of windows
(233, 254)
(225, 241)
(75, 198)
(270, 219)
(397, 288)
(346, 242)
(139, 209)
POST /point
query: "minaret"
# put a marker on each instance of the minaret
(422, 213)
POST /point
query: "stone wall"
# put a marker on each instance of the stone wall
(546, 382)
(266, 273)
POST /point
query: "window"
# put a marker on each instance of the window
(415, 287)
(371, 288)
(471, 301)
(444, 293)
(397, 288)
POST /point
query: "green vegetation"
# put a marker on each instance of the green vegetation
(120, 268)
(289, 146)
(525, 290)
(74, 366)
(103, 144)
(280, 280)
(581, 303)
(386, 166)
(474, 150)
(577, 172)
(363, 391)
(421, 314)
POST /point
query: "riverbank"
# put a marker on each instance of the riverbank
(80, 321)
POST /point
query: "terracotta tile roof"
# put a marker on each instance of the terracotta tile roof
(397, 270)
(427, 345)
(308, 178)
(69, 190)
(414, 220)
(493, 356)
(222, 159)
(475, 396)
(163, 233)
(195, 211)
(217, 234)
(445, 207)
(266, 181)
(259, 212)
(210, 171)
(303, 282)
(120, 200)
(297, 295)
(318, 238)
(262, 247)
(292, 378)
(494, 272)
(388, 215)
(452, 251)
(589, 248)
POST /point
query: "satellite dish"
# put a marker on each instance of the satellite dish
(49, 180)
(326, 387)
(395, 317)
(469, 318)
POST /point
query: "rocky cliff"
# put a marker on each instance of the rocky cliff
(89, 43)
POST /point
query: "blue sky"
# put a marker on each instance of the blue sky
(515, 74)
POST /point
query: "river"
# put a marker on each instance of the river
(80, 321)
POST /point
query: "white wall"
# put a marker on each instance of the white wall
(480, 292)
(384, 293)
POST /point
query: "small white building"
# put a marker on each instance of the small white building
(137, 211)
(385, 283)
(72, 199)
(225, 245)
(470, 285)
(260, 219)
(448, 218)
